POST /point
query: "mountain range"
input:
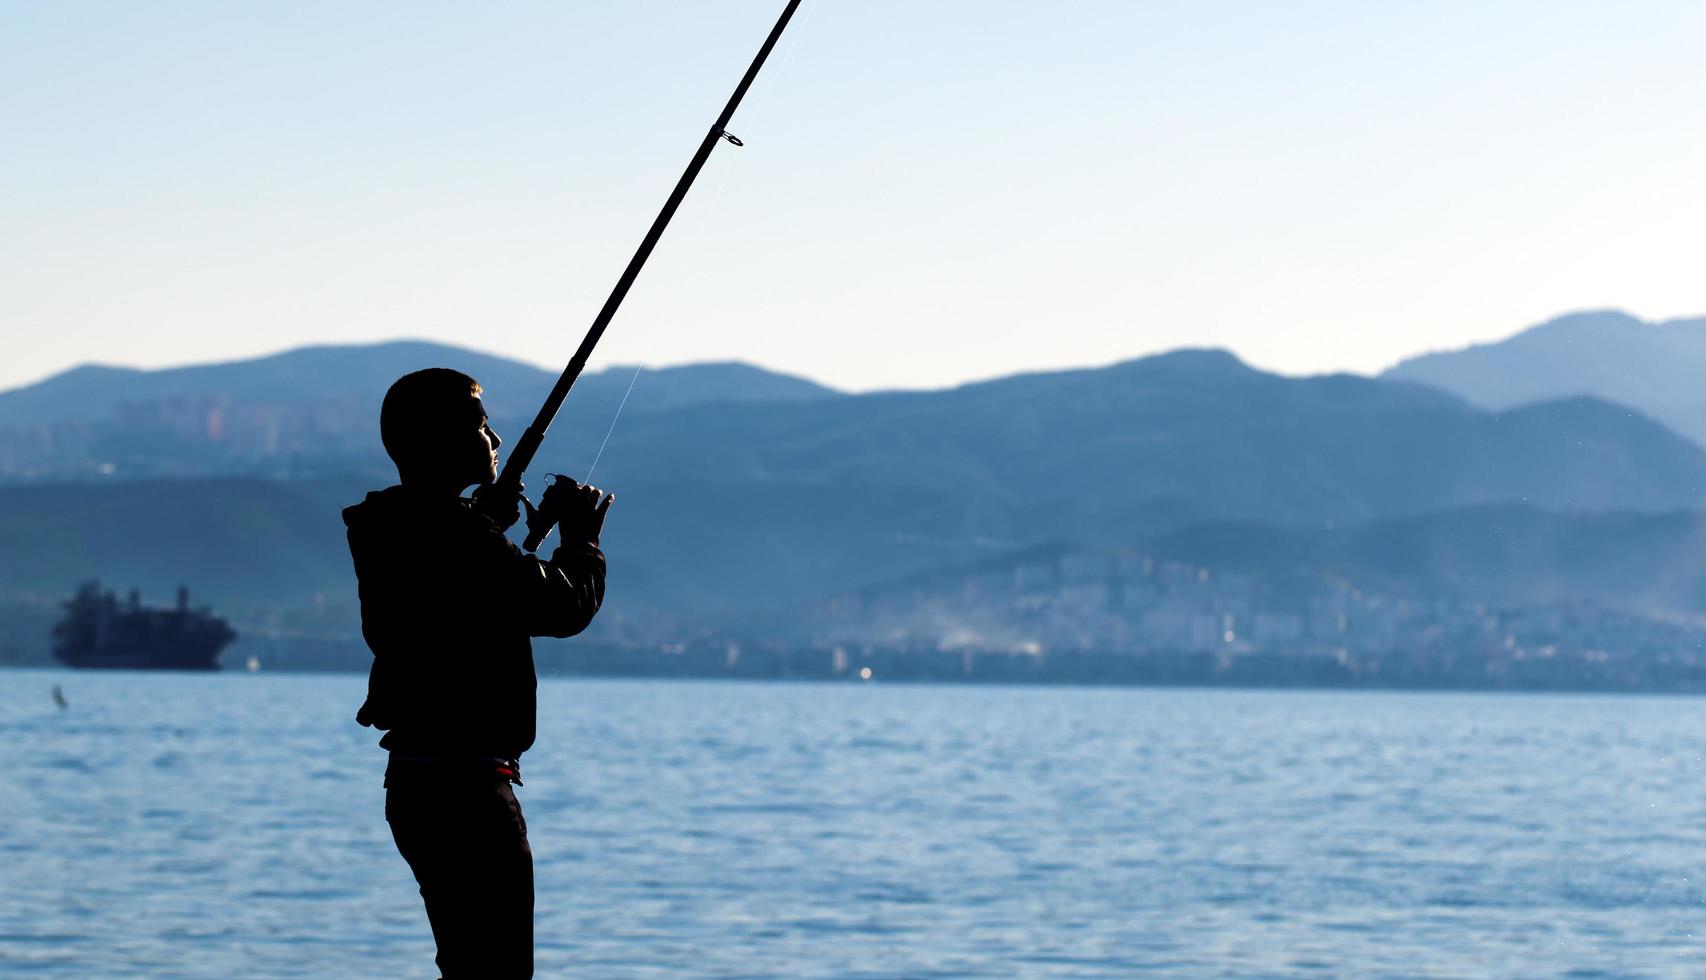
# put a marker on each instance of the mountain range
(741, 489)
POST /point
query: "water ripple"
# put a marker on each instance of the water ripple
(231, 826)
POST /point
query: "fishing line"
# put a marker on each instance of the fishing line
(710, 209)
(693, 238)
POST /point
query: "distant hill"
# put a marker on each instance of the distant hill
(339, 373)
(729, 506)
(1657, 368)
(1501, 554)
(305, 376)
(1513, 553)
(313, 409)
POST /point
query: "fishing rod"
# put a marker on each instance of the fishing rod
(507, 487)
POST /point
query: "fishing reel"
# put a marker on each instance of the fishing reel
(541, 519)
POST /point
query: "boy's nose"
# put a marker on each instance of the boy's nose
(496, 442)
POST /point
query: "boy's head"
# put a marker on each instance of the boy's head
(434, 427)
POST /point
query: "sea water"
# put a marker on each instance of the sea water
(231, 825)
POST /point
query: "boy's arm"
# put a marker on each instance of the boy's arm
(554, 598)
(570, 591)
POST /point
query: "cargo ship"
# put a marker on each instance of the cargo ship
(98, 631)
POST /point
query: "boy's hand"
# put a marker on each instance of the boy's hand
(584, 508)
(504, 509)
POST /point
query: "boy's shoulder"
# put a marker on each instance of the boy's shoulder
(400, 507)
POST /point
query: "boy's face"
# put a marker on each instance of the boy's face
(480, 449)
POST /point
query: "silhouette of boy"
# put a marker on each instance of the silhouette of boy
(447, 606)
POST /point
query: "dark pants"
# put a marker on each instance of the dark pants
(461, 830)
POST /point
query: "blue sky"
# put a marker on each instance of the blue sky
(930, 193)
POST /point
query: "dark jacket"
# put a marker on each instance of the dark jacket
(447, 606)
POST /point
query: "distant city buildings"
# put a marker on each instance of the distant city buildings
(1124, 604)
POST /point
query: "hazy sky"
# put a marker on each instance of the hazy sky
(932, 192)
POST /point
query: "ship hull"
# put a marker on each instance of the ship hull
(98, 633)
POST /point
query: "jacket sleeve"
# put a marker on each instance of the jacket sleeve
(554, 598)
(570, 590)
